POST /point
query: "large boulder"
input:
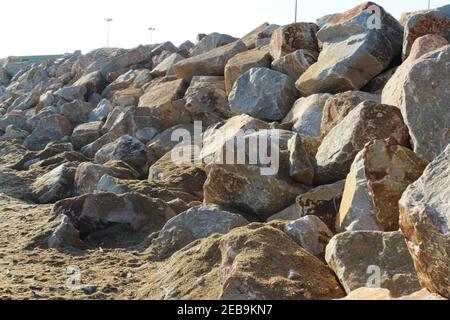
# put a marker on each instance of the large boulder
(296, 63)
(205, 220)
(55, 185)
(306, 115)
(211, 41)
(157, 107)
(51, 128)
(436, 21)
(242, 62)
(424, 216)
(211, 63)
(263, 93)
(338, 106)
(366, 122)
(424, 104)
(88, 175)
(129, 150)
(86, 133)
(378, 177)
(311, 234)
(92, 213)
(244, 188)
(165, 68)
(206, 100)
(373, 259)
(292, 37)
(245, 264)
(357, 46)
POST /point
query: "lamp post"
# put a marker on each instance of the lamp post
(296, 10)
(108, 21)
(429, 4)
(151, 29)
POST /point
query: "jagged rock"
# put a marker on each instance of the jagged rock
(306, 115)
(242, 62)
(17, 118)
(25, 102)
(157, 104)
(264, 37)
(385, 294)
(4, 77)
(338, 106)
(129, 150)
(71, 93)
(311, 234)
(436, 21)
(65, 235)
(368, 121)
(263, 93)
(296, 63)
(211, 63)
(76, 111)
(205, 220)
(244, 188)
(210, 42)
(52, 149)
(300, 167)
(127, 97)
(188, 177)
(93, 82)
(378, 177)
(88, 174)
(250, 38)
(12, 132)
(95, 212)
(424, 216)
(351, 43)
(293, 37)
(206, 100)
(424, 104)
(101, 111)
(165, 68)
(235, 266)
(51, 128)
(86, 133)
(55, 185)
(163, 142)
(187, 45)
(323, 202)
(377, 84)
(373, 259)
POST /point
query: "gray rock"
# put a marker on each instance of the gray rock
(264, 94)
(424, 104)
(311, 234)
(55, 185)
(51, 128)
(296, 63)
(366, 122)
(373, 259)
(71, 93)
(86, 133)
(165, 68)
(211, 63)
(424, 220)
(354, 51)
(306, 115)
(205, 220)
(65, 235)
(210, 42)
(292, 37)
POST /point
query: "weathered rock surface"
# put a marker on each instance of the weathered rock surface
(366, 122)
(264, 94)
(165, 68)
(436, 21)
(306, 115)
(311, 234)
(373, 259)
(379, 175)
(424, 216)
(51, 128)
(210, 42)
(235, 266)
(211, 63)
(356, 48)
(242, 62)
(424, 104)
(205, 220)
(86, 133)
(296, 63)
(293, 37)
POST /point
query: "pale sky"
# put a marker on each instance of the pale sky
(32, 27)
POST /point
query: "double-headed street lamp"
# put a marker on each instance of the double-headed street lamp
(108, 21)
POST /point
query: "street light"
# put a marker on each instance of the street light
(429, 4)
(296, 10)
(151, 29)
(108, 21)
